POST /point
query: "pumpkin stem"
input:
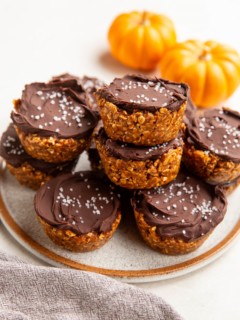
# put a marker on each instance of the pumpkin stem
(205, 54)
(145, 20)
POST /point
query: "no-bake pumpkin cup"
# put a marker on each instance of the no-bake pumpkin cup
(52, 122)
(29, 171)
(79, 212)
(142, 111)
(212, 146)
(177, 218)
(138, 167)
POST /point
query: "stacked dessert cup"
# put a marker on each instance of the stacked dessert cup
(140, 147)
(52, 125)
(141, 141)
(212, 147)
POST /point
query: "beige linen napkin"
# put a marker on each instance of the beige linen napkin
(33, 292)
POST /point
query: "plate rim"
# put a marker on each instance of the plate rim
(31, 244)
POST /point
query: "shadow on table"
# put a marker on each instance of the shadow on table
(110, 64)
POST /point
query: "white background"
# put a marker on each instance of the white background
(39, 39)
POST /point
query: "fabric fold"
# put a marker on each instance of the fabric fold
(48, 293)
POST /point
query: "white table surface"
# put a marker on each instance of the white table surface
(39, 39)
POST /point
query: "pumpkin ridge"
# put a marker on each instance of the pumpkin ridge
(161, 20)
(210, 72)
(169, 69)
(234, 63)
(141, 57)
(161, 36)
(192, 46)
(226, 75)
(180, 75)
(170, 56)
(123, 44)
(203, 80)
(120, 35)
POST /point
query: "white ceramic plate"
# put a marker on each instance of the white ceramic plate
(125, 256)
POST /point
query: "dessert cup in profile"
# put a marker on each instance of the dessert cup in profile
(142, 111)
(79, 212)
(52, 122)
(138, 167)
(29, 171)
(212, 145)
(177, 218)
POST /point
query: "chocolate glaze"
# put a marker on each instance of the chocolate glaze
(14, 154)
(89, 86)
(66, 76)
(190, 112)
(217, 131)
(54, 109)
(68, 80)
(186, 208)
(131, 152)
(136, 92)
(81, 202)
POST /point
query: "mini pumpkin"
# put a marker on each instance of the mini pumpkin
(211, 69)
(139, 39)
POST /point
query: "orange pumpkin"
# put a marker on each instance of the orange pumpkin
(212, 70)
(139, 39)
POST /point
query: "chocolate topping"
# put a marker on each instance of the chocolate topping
(65, 76)
(217, 131)
(190, 111)
(80, 202)
(141, 93)
(133, 152)
(186, 208)
(14, 154)
(54, 109)
(89, 86)
(68, 80)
